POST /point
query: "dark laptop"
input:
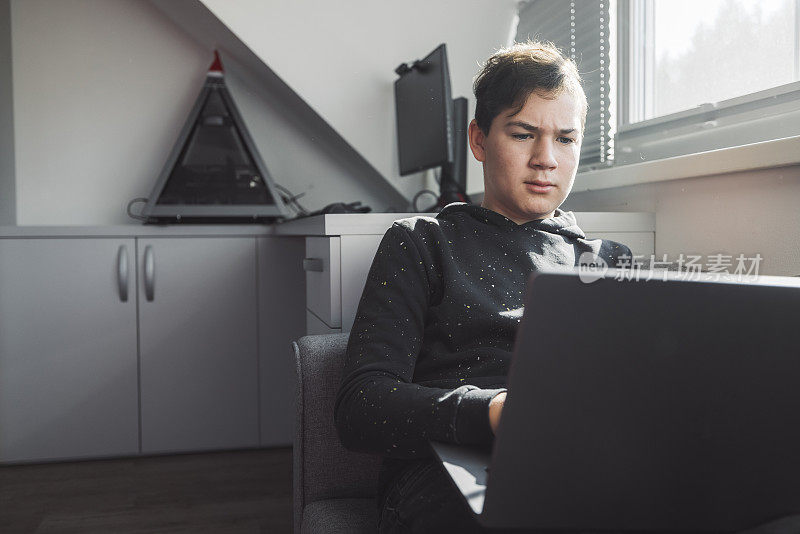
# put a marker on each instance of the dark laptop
(633, 405)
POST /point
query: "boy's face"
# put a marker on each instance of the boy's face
(530, 158)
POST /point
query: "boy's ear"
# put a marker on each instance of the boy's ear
(477, 140)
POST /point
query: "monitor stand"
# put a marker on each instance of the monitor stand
(453, 181)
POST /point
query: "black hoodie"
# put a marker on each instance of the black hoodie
(433, 334)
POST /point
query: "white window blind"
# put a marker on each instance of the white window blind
(580, 28)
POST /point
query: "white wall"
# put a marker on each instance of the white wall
(102, 87)
(742, 213)
(8, 206)
(101, 90)
(340, 57)
(295, 157)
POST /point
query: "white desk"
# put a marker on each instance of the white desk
(340, 248)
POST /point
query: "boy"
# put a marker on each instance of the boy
(431, 344)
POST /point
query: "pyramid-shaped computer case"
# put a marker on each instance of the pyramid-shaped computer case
(214, 172)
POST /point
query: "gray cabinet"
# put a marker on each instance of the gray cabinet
(322, 266)
(198, 334)
(116, 346)
(281, 317)
(340, 249)
(68, 362)
(336, 270)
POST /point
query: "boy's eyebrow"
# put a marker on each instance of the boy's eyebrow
(532, 128)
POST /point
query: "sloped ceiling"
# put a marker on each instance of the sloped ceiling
(333, 62)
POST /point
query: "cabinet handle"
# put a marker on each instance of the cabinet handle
(122, 273)
(313, 264)
(149, 272)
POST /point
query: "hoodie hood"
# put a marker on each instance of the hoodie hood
(561, 223)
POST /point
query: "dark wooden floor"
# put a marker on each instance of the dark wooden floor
(229, 492)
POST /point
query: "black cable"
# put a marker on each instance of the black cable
(292, 200)
(437, 176)
(289, 198)
(289, 204)
(131, 203)
(419, 194)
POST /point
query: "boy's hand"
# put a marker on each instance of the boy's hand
(495, 409)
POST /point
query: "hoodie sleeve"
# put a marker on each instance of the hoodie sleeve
(615, 254)
(378, 407)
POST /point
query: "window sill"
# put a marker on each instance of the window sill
(763, 155)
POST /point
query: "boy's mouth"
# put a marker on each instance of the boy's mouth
(539, 186)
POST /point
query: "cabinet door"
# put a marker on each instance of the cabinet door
(315, 327)
(68, 384)
(357, 253)
(198, 343)
(323, 279)
(282, 309)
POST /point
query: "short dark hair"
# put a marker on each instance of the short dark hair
(511, 74)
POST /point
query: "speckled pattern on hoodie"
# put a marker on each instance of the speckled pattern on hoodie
(433, 334)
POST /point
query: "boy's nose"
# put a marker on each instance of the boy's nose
(543, 157)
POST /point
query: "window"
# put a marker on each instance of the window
(701, 75)
(684, 76)
(713, 50)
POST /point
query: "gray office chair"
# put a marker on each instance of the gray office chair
(334, 489)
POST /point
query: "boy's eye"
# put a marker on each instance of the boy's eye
(564, 140)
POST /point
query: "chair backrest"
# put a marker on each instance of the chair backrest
(323, 468)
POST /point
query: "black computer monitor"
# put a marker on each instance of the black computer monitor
(431, 126)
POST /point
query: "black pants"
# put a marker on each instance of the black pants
(423, 499)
